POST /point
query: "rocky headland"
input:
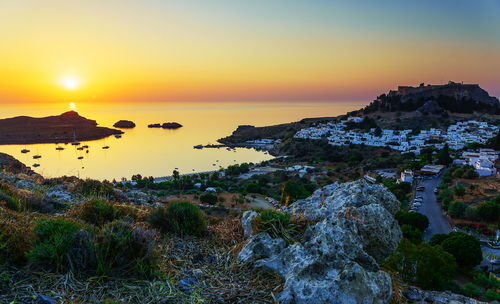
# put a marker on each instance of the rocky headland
(64, 128)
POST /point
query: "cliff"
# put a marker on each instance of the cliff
(53, 129)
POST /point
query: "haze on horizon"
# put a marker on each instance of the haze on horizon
(125, 51)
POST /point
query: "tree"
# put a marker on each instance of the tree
(412, 234)
(490, 210)
(464, 247)
(457, 209)
(444, 157)
(208, 198)
(175, 174)
(459, 190)
(428, 266)
(413, 219)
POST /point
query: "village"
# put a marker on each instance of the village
(457, 136)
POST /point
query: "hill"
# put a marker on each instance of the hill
(53, 129)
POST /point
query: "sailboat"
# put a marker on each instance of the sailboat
(59, 148)
(75, 142)
(25, 151)
(36, 165)
(37, 156)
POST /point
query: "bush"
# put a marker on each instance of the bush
(292, 191)
(428, 266)
(180, 218)
(492, 294)
(54, 238)
(16, 237)
(97, 212)
(414, 219)
(208, 198)
(472, 290)
(90, 187)
(464, 247)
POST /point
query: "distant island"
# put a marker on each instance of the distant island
(166, 125)
(64, 128)
(124, 124)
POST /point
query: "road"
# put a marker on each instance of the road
(438, 223)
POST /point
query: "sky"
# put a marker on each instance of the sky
(121, 51)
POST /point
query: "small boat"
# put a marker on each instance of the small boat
(118, 135)
(80, 148)
(87, 151)
(25, 151)
(37, 156)
(59, 148)
(85, 147)
(198, 147)
(36, 165)
(229, 149)
(105, 147)
(80, 157)
(75, 143)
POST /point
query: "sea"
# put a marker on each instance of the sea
(157, 152)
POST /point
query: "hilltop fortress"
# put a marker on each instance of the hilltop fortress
(456, 90)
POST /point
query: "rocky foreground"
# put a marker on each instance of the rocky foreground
(64, 128)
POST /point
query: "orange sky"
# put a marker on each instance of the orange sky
(133, 51)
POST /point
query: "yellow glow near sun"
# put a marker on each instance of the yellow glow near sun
(72, 106)
(70, 82)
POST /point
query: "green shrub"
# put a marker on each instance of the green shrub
(464, 247)
(492, 294)
(90, 187)
(472, 290)
(54, 238)
(16, 237)
(428, 266)
(97, 212)
(414, 219)
(208, 198)
(253, 188)
(179, 217)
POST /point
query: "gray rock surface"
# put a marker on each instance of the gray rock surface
(246, 222)
(337, 259)
(416, 295)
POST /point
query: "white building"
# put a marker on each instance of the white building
(407, 176)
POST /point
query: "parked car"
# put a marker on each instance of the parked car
(420, 188)
(436, 190)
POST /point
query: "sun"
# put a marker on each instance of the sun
(72, 106)
(70, 82)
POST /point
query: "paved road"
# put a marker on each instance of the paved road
(430, 208)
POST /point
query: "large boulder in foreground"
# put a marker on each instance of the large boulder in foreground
(352, 229)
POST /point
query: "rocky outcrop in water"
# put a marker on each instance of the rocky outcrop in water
(166, 125)
(124, 124)
(351, 231)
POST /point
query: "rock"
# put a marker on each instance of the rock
(59, 193)
(171, 125)
(124, 124)
(413, 294)
(185, 284)
(41, 299)
(243, 128)
(337, 259)
(137, 197)
(246, 222)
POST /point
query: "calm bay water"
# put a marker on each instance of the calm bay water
(157, 152)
